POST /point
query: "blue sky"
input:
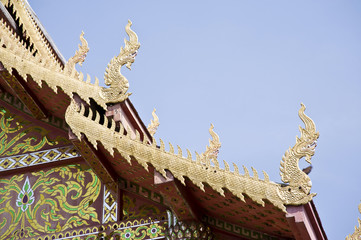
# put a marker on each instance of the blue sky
(244, 66)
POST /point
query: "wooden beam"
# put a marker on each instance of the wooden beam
(125, 113)
(305, 223)
(18, 85)
(177, 197)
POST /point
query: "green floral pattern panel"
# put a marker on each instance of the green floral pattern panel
(49, 201)
(18, 135)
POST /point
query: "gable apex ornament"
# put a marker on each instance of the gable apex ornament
(298, 183)
(118, 84)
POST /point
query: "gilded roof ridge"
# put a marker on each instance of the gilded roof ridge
(12, 41)
(144, 153)
(36, 33)
(15, 55)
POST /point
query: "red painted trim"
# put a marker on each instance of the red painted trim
(305, 222)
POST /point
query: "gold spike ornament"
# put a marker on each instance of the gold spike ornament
(357, 234)
(154, 123)
(79, 57)
(211, 153)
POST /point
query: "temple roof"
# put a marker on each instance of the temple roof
(112, 138)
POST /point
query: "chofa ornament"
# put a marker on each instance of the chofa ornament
(117, 92)
(297, 190)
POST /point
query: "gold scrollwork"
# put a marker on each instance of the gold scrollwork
(17, 136)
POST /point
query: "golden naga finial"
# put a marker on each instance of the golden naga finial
(154, 123)
(212, 150)
(357, 234)
(79, 56)
(299, 183)
(117, 92)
